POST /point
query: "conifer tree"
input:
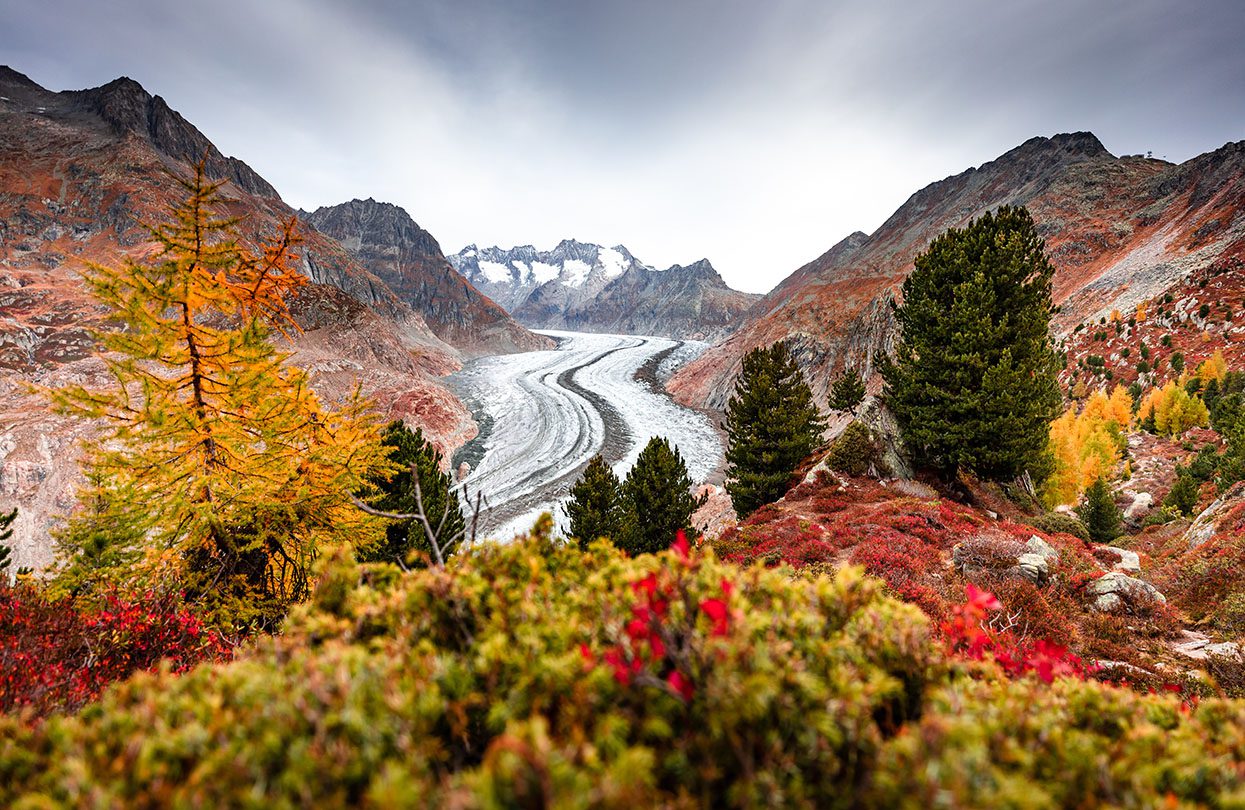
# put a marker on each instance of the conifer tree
(217, 468)
(657, 497)
(1183, 495)
(1099, 513)
(972, 382)
(772, 424)
(847, 391)
(405, 540)
(595, 509)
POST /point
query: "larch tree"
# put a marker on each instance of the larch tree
(772, 424)
(973, 379)
(217, 467)
(657, 499)
(595, 508)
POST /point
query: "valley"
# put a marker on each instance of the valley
(544, 414)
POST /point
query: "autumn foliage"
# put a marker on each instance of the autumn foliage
(1087, 444)
(57, 655)
(1171, 410)
(217, 467)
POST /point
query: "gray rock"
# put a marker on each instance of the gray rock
(1112, 591)
(1036, 545)
(1140, 507)
(1129, 562)
(1225, 649)
(1031, 567)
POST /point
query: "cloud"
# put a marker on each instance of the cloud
(756, 135)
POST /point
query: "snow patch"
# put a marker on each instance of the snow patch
(542, 273)
(496, 273)
(613, 262)
(575, 272)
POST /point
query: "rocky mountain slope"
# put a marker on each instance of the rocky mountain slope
(79, 172)
(386, 241)
(586, 287)
(1119, 230)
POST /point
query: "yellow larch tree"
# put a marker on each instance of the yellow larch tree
(1171, 410)
(217, 467)
(1088, 444)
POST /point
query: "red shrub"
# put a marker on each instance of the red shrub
(56, 656)
(969, 636)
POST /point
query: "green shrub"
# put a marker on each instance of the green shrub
(1059, 523)
(854, 451)
(491, 683)
(507, 680)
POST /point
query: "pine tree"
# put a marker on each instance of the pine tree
(1099, 513)
(595, 509)
(847, 391)
(405, 540)
(217, 469)
(772, 424)
(657, 497)
(972, 382)
(1183, 495)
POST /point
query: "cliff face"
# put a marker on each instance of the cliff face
(1119, 231)
(385, 240)
(589, 288)
(75, 184)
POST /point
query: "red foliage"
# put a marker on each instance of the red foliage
(653, 649)
(969, 636)
(57, 656)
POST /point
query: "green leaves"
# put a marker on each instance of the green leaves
(772, 424)
(972, 381)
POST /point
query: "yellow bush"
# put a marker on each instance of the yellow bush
(1214, 367)
(1173, 410)
(1087, 445)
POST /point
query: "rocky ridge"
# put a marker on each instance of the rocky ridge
(387, 241)
(1119, 230)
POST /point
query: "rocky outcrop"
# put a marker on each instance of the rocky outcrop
(1118, 230)
(385, 240)
(583, 287)
(127, 108)
(1117, 590)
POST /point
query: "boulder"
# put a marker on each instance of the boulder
(1129, 562)
(1140, 507)
(1036, 545)
(1115, 590)
(1031, 567)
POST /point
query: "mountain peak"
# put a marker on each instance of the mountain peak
(10, 76)
(127, 108)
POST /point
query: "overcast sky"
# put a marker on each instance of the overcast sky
(756, 134)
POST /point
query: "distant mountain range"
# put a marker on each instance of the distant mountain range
(586, 287)
(386, 241)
